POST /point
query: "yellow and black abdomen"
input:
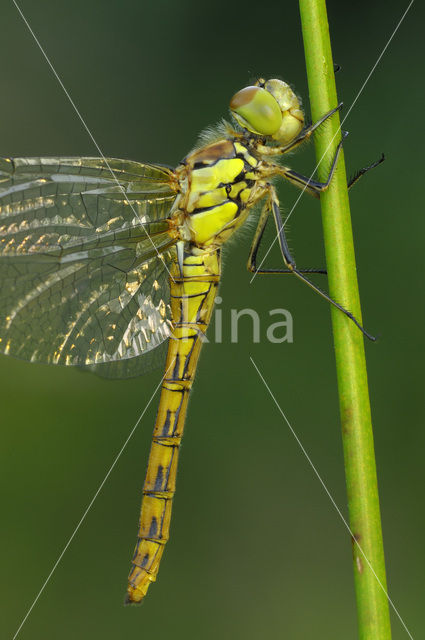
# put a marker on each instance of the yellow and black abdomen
(193, 292)
(221, 187)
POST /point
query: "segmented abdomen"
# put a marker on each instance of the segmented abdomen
(192, 301)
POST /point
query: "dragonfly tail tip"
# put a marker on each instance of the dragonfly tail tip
(129, 602)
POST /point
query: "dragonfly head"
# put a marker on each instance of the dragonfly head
(269, 108)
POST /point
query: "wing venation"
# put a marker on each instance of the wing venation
(84, 259)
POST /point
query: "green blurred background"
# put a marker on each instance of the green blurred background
(257, 549)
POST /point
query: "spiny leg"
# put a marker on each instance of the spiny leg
(273, 205)
(314, 187)
(364, 170)
(290, 263)
(305, 134)
(255, 245)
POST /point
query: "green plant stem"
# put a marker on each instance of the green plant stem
(359, 459)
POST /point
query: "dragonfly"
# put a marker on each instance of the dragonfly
(107, 264)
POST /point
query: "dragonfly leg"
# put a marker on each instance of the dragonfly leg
(252, 258)
(364, 170)
(273, 204)
(305, 134)
(314, 187)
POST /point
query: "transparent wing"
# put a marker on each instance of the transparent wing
(84, 266)
(133, 367)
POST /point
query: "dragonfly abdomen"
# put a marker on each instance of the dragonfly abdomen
(192, 299)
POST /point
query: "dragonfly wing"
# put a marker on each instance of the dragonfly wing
(132, 367)
(84, 259)
(133, 176)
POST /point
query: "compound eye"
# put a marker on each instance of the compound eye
(256, 110)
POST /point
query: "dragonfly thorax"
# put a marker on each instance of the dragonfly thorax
(219, 183)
